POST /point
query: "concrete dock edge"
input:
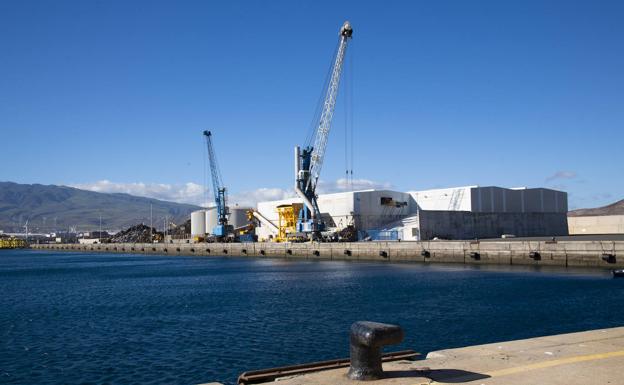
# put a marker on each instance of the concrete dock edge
(601, 254)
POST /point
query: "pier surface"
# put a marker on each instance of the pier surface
(592, 357)
(565, 253)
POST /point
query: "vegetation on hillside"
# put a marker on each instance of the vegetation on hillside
(58, 208)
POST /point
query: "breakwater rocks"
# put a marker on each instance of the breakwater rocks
(606, 254)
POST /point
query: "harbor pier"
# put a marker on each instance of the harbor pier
(601, 254)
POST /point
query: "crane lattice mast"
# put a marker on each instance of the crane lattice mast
(329, 105)
(219, 191)
(309, 161)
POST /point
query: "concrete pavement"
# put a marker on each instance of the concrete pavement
(586, 358)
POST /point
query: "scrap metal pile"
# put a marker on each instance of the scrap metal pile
(180, 231)
(137, 234)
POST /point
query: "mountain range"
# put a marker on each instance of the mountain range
(49, 208)
(616, 208)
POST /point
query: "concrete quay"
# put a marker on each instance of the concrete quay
(586, 358)
(587, 253)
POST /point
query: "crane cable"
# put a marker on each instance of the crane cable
(319, 104)
(352, 109)
(346, 125)
(349, 141)
(205, 186)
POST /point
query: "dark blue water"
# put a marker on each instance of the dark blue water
(95, 318)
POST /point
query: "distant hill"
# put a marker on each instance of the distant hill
(50, 208)
(616, 208)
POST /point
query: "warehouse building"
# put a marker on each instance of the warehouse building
(484, 212)
(367, 209)
(453, 213)
(491, 199)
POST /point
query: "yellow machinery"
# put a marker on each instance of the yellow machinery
(246, 233)
(287, 222)
(12, 243)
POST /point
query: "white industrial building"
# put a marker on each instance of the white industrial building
(491, 199)
(367, 209)
(453, 213)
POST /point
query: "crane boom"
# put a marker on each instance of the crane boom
(222, 229)
(327, 114)
(309, 161)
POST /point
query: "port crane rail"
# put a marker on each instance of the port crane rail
(222, 229)
(309, 161)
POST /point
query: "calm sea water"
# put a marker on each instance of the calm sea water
(95, 318)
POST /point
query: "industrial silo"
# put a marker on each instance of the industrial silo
(198, 223)
(238, 216)
(211, 219)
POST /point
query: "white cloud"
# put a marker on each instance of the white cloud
(343, 184)
(561, 175)
(559, 186)
(194, 193)
(182, 193)
(251, 198)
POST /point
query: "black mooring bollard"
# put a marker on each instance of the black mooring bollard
(367, 340)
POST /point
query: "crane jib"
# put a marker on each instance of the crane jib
(219, 191)
(309, 161)
(329, 105)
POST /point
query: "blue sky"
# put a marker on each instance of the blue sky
(446, 93)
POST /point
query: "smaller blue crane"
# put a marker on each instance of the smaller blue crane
(222, 230)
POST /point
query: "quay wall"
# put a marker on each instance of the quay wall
(605, 254)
